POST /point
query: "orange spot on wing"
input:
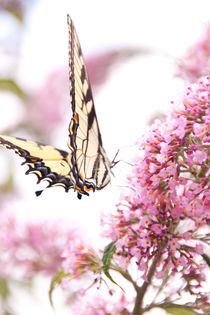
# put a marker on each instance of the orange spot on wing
(76, 118)
(79, 189)
(88, 188)
(71, 128)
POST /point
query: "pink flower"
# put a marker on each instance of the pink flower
(164, 148)
(144, 242)
(47, 104)
(153, 167)
(102, 305)
(124, 262)
(79, 259)
(169, 189)
(199, 222)
(195, 188)
(186, 236)
(162, 157)
(136, 252)
(122, 242)
(171, 169)
(175, 213)
(198, 129)
(196, 63)
(143, 266)
(199, 156)
(100, 65)
(157, 228)
(174, 244)
(181, 261)
(31, 248)
(199, 249)
(145, 221)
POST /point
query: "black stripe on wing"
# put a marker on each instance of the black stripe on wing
(46, 162)
(89, 160)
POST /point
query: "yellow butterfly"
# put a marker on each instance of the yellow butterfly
(86, 166)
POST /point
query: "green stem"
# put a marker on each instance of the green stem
(126, 275)
(166, 305)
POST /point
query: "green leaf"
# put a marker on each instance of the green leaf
(179, 310)
(107, 258)
(56, 280)
(4, 289)
(207, 259)
(11, 86)
(17, 14)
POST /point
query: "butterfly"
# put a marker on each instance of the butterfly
(86, 166)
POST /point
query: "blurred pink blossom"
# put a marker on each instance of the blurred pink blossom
(196, 62)
(48, 105)
(98, 305)
(32, 247)
(100, 65)
(79, 259)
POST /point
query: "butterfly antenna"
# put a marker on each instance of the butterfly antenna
(113, 162)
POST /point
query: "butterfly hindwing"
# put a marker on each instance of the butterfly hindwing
(45, 161)
(90, 161)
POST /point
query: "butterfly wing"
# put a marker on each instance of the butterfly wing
(45, 161)
(91, 166)
(87, 166)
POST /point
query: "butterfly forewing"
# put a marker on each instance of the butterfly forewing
(90, 159)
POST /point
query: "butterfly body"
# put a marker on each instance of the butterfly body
(86, 166)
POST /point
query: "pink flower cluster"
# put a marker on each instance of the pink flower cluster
(79, 259)
(99, 65)
(167, 207)
(97, 305)
(196, 63)
(29, 248)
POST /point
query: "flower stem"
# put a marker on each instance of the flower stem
(142, 290)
